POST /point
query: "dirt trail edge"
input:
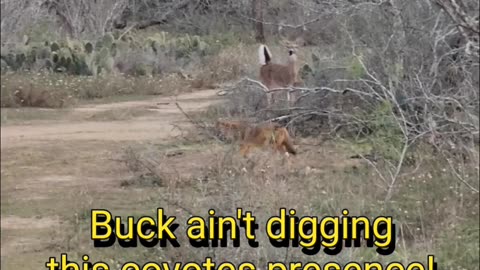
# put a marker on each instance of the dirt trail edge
(160, 125)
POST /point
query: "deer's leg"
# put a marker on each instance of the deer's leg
(269, 99)
(273, 97)
(288, 98)
(293, 98)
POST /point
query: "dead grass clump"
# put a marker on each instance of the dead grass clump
(35, 90)
(161, 165)
(118, 85)
(143, 170)
(172, 84)
(202, 83)
(53, 90)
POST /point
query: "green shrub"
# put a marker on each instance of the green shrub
(355, 69)
(384, 134)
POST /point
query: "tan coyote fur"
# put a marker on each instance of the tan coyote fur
(257, 136)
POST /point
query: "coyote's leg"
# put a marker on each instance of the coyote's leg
(281, 148)
(289, 161)
(285, 156)
(244, 149)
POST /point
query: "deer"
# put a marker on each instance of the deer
(274, 75)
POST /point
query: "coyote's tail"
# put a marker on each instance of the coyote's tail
(264, 55)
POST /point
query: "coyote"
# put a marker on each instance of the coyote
(276, 75)
(257, 136)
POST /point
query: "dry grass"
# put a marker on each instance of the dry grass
(57, 90)
(425, 205)
(435, 213)
(230, 64)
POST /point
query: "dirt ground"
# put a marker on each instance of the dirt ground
(46, 161)
(154, 126)
(55, 168)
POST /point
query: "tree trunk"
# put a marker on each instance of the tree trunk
(395, 58)
(258, 23)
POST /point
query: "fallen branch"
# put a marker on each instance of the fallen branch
(196, 123)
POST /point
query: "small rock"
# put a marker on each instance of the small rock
(221, 93)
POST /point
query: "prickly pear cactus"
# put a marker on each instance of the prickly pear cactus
(44, 53)
(305, 71)
(114, 50)
(107, 40)
(122, 47)
(19, 60)
(88, 48)
(98, 45)
(32, 55)
(315, 61)
(26, 40)
(9, 60)
(104, 61)
(4, 66)
(54, 47)
(79, 65)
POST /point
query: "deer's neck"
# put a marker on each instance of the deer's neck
(292, 65)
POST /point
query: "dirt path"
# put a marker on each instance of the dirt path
(158, 125)
(40, 173)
